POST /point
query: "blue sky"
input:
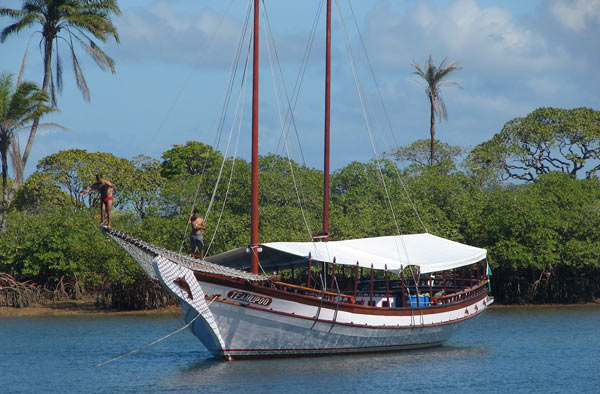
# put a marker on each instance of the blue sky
(170, 85)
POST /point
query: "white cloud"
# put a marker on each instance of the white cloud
(164, 33)
(487, 38)
(575, 14)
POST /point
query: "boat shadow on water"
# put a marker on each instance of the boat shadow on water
(215, 370)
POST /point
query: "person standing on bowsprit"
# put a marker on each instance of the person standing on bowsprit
(106, 189)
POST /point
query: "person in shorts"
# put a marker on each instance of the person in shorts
(196, 240)
(106, 189)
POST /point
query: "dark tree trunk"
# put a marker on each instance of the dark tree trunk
(141, 295)
(560, 285)
(432, 132)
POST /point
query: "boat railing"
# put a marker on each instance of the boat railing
(379, 299)
(462, 295)
(340, 297)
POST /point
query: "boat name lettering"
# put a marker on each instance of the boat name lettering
(247, 297)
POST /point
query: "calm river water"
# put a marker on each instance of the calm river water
(507, 350)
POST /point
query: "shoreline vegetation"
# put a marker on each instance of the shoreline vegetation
(542, 238)
(80, 307)
(530, 195)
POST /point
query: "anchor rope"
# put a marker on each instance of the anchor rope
(154, 342)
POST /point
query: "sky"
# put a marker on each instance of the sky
(174, 59)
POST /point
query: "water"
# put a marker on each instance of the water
(506, 350)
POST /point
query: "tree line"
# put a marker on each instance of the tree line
(528, 195)
(542, 237)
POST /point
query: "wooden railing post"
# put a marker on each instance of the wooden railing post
(355, 279)
(454, 280)
(387, 288)
(332, 274)
(444, 280)
(430, 286)
(402, 281)
(371, 295)
(471, 275)
(309, 270)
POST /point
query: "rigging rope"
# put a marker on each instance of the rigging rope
(387, 116)
(220, 126)
(285, 139)
(243, 99)
(189, 76)
(362, 106)
(290, 119)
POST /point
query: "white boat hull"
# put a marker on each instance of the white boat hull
(232, 329)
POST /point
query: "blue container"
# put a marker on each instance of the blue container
(423, 301)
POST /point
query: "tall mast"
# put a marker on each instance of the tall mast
(326, 150)
(254, 209)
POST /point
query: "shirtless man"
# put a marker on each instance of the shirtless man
(196, 240)
(105, 188)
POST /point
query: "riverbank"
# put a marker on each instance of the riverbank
(76, 307)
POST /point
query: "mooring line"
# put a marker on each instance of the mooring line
(154, 342)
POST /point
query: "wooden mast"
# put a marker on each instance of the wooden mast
(327, 123)
(254, 209)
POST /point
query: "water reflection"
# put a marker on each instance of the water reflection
(521, 349)
(326, 368)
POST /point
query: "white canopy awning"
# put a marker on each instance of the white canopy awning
(429, 252)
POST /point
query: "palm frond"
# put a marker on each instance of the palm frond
(24, 61)
(79, 77)
(16, 27)
(59, 19)
(103, 61)
(10, 13)
(58, 71)
(434, 78)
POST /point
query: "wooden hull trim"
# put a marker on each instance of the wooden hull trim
(480, 292)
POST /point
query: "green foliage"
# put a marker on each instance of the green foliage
(551, 225)
(417, 154)
(19, 106)
(546, 140)
(61, 244)
(40, 193)
(141, 185)
(193, 158)
(551, 222)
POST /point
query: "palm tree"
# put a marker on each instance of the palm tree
(66, 22)
(434, 78)
(19, 106)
